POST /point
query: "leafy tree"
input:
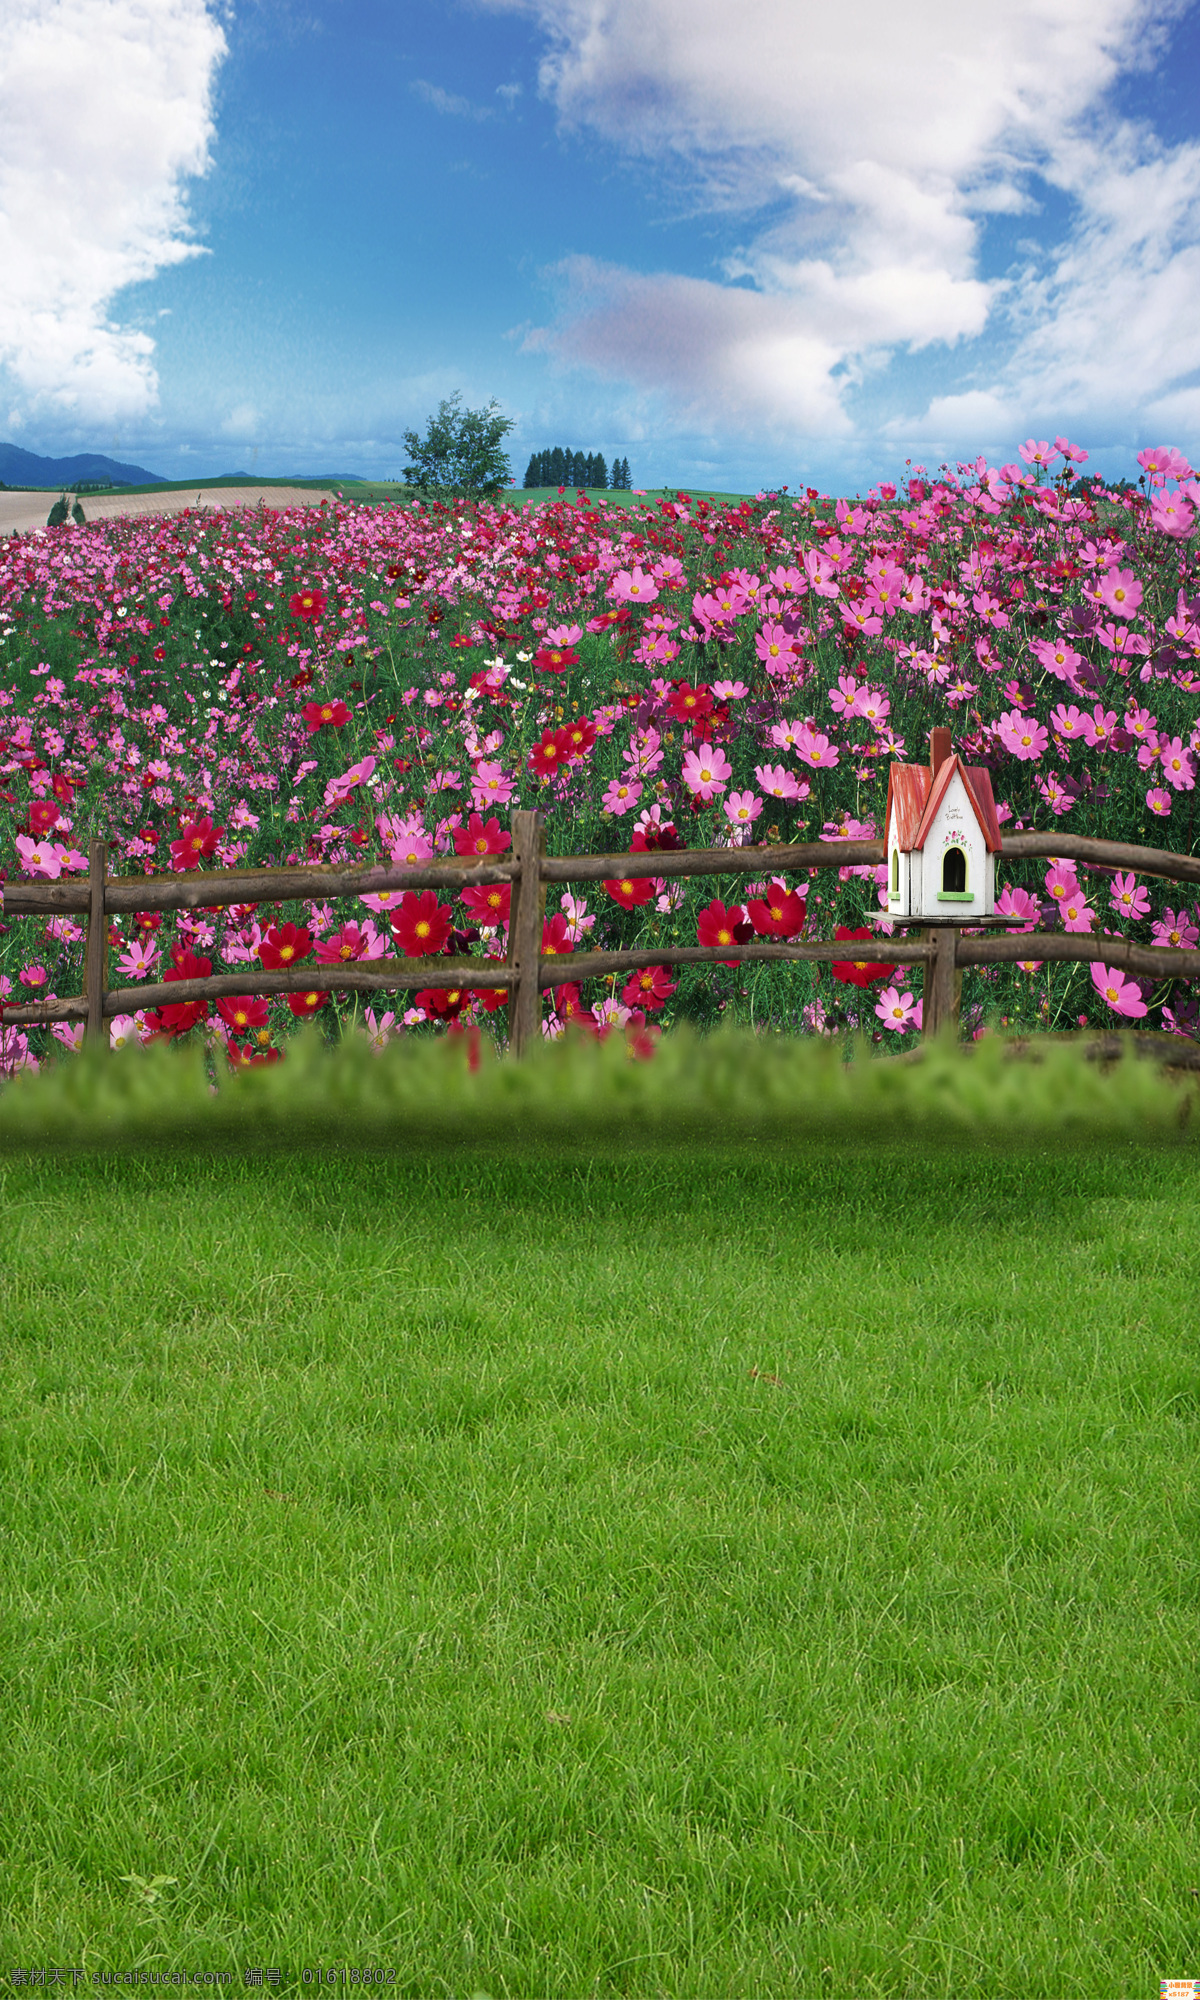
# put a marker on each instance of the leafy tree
(599, 478)
(460, 452)
(58, 513)
(78, 515)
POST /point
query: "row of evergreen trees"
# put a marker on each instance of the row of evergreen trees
(576, 468)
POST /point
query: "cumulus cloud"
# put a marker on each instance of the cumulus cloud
(882, 140)
(105, 110)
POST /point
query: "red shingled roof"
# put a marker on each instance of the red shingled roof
(916, 796)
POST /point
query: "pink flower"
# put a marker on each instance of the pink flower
(491, 785)
(1172, 514)
(1128, 899)
(1120, 590)
(1175, 930)
(33, 975)
(138, 960)
(1098, 726)
(404, 852)
(813, 748)
(898, 1011)
(1123, 995)
(37, 857)
(1164, 462)
(742, 808)
(1061, 881)
(1019, 903)
(1178, 767)
(1023, 735)
(339, 789)
(1040, 453)
(872, 706)
(620, 797)
(1077, 914)
(1159, 802)
(635, 586)
(706, 771)
(1067, 722)
(778, 780)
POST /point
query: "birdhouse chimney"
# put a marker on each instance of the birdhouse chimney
(939, 749)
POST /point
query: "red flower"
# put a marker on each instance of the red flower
(554, 659)
(196, 842)
(322, 714)
(306, 1003)
(781, 914)
(490, 905)
(651, 987)
(629, 893)
(580, 738)
(63, 788)
(181, 1015)
(718, 925)
(687, 702)
(476, 838)
(656, 840)
(555, 938)
(860, 971)
(283, 947)
(307, 604)
(42, 816)
(550, 754)
(421, 925)
(447, 1002)
(241, 1014)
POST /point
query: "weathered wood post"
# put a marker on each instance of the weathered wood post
(525, 931)
(96, 960)
(943, 983)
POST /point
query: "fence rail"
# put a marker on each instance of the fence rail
(525, 973)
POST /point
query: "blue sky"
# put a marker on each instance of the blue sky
(778, 243)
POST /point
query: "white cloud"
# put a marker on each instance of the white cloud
(105, 109)
(890, 135)
(242, 422)
(445, 102)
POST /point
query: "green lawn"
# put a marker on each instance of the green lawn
(401, 1555)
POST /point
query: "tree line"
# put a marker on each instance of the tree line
(576, 468)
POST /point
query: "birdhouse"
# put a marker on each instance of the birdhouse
(942, 837)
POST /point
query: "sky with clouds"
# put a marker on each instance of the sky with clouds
(785, 242)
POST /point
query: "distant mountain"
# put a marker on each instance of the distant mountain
(25, 468)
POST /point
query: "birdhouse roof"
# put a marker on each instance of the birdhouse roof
(916, 794)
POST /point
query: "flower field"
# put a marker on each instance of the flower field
(392, 684)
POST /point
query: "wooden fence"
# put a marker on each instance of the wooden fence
(525, 973)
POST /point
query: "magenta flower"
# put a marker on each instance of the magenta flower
(1176, 930)
(1123, 995)
(1128, 898)
(1061, 882)
(1067, 722)
(1178, 767)
(1077, 914)
(1159, 802)
(37, 857)
(779, 782)
(1019, 903)
(1098, 726)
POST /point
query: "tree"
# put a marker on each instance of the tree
(599, 472)
(460, 451)
(533, 471)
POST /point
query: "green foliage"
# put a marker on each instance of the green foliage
(58, 514)
(461, 451)
(732, 1081)
(78, 515)
(567, 468)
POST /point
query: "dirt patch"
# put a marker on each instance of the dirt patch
(21, 511)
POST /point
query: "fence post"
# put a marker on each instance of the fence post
(525, 931)
(96, 960)
(943, 983)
